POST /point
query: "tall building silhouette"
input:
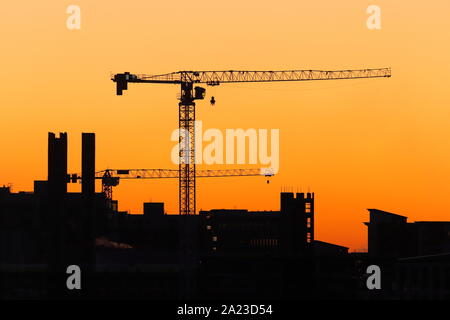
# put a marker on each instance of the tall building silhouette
(288, 232)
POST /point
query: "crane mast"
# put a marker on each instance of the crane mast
(189, 93)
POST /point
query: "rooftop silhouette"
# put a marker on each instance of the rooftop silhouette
(217, 254)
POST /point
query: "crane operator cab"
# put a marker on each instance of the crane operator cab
(199, 93)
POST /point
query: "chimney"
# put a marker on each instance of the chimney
(57, 164)
(88, 164)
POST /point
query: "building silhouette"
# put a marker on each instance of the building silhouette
(217, 254)
(288, 232)
(415, 256)
(390, 235)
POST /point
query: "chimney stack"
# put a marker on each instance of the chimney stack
(88, 164)
(57, 164)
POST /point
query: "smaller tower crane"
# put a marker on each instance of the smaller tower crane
(111, 177)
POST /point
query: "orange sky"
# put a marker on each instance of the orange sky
(373, 143)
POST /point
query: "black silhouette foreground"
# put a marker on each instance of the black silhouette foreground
(234, 254)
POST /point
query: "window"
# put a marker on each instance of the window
(308, 207)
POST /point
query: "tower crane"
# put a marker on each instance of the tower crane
(111, 177)
(189, 93)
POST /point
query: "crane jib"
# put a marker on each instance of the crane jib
(213, 78)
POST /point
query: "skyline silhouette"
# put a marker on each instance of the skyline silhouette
(216, 254)
(361, 167)
(383, 142)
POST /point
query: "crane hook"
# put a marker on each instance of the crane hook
(212, 101)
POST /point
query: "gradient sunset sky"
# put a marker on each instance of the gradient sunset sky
(358, 144)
